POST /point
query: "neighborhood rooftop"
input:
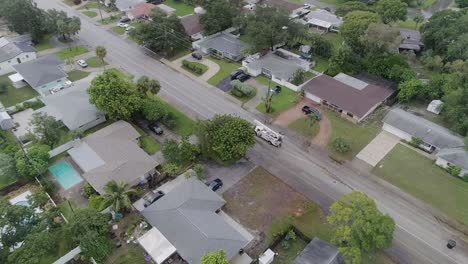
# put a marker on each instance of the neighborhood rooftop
(191, 24)
(41, 71)
(423, 129)
(410, 39)
(223, 42)
(187, 217)
(457, 156)
(319, 252)
(10, 48)
(323, 18)
(280, 64)
(141, 10)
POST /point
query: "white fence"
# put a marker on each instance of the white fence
(69, 256)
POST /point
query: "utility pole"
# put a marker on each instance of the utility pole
(99, 8)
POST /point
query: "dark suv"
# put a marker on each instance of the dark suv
(197, 56)
(215, 184)
(152, 197)
(236, 73)
(243, 77)
(156, 128)
(310, 110)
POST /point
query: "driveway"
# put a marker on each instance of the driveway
(261, 93)
(229, 175)
(292, 114)
(213, 67)
(376, 150)
(224, 84)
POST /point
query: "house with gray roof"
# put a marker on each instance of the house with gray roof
(453, 157)
(113, 153)
(410, 40)
(72, 108)
(221, 44)
(323, 20)
(188, 218)
(407, 126)
(44, 74)
(14, 51)
(319, 252)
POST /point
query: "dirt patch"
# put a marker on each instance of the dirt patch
(324, 134)
(292, 114)
(264, 204)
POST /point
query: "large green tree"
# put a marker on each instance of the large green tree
(153, 110)
(359, 226)
(146, 85)
(35, 247)
(7, 167)
(34, 163)
(391, 10)
(114, 95)
(225, 138)
(380, 38)
(410, 90)
(218, 257)
(180, 153)
(343, 60)
(101, 53)
(62, 24)
(218, 17)
(117, 196)
(47, 130)
(355, 25)
(16, 222)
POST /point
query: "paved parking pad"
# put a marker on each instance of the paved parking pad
(378, 148)
(229, 175)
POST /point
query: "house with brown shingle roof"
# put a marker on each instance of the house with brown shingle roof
(192, 26)
(352, 98)
(141, 11)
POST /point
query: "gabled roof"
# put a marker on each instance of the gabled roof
(112, 153)
(323, 18)
(282, 68)
(41, 71)
(82, 111)
(340, 91)
(191, 24)
(186, 217)
(223, 42)
(423, 129)
(124, 5)
(456, 156)
(10, 48)
(410, 39)
(142, 10)
(319, 252)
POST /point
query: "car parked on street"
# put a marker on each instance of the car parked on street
(82, 63)
(122, 25)
(156, 128)
(215, 184)
(243, 77)
(197, 55)
(152, 197)
(310, 110)
(236, 73)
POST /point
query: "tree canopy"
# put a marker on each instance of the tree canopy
(34, 163)
(117, 196)
(355, 25)
(47, 130)
(218, 17)
(391, 10)
(359, 226)
(115, 96)
(146, 85)
(218, 257)
(153, 110)
(180, 153)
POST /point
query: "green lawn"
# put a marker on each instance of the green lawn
(281, 101)
(321, 64)
(358, 136)
(147, 143)
(69, 2)
(67, 208)
(91, 4)
(127, 254)
(96, 62)
(289, 254)
(76, 75)
(409, 23)
(109, 20)
(302, 126)
(332, 2)
(427, 3)
(14, 96)
(226, 68)
(196, 64)
(184, 126)
(417, 175)
(71, 52)
(118, 30)
(182, 9)
(121, 74)
(90, 14)
(44, 43)
(6, 180)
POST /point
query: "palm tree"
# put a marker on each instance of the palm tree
(145, 85)
(101, 52)
(116, 195)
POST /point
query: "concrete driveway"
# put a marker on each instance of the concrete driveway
(229, 175)
(378, 148)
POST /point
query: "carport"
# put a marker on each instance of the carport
(156, 245)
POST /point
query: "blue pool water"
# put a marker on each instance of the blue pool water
(23, 203)
(65, 174)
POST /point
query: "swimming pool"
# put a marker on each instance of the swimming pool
(65, 174)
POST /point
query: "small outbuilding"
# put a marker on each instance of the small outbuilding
(435, 106)
(319, 252)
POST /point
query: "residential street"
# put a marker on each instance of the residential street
(419, 238)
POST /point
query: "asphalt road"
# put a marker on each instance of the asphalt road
(419, 237)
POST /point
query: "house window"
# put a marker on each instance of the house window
(349, 114)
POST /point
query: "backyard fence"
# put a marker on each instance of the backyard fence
(69, 256)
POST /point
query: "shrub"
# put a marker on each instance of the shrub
(3, 87)
(169, 120)
(49, 186)
(88, 190)
(454, 170)
(36, 104)
(96, 201)
(237, 93)
(465, 178)
(77, 2)
(200, 171)
(194, 67)
(171, 169)
(415, 142)
(242, 89)
(340, 145)
(298, 77)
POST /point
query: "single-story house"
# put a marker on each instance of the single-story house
(221, 44)
(6, 122)
(319, 252)
(44, 74)
(15, 51)
(354, 99)
(188, 218)
(453, 157)
(125, 5)
(280, 65)
(192, 26)
(113, 153)
(323, 20)
(72, 107)
(141, 11)
(410, 40)
(407, 126)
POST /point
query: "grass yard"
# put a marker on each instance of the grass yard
(90, 14)
(182, 9)
(91, 4)
(417, 175)
(358, 136)
(71, 52)
(184, 126)
(44, 43)
(14, 96)
(109, 20)
(96, 128)
(127, 254)
(95, 62)
(289, 254)
(427, 3)
(76, 75)
(281, 101)
(226, 68)
(121, 74)
(69, 2)
(118, 30)
(67, 208)
(409, 23)
(147, 143)
(7, 180)
(302, 126)
(179, 54)
(321, 64)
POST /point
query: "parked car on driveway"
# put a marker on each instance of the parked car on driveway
(124, 19)
(215, 184)
(243, 77)
(197, 55)
(310, 110)
(276, 89)
(152, 197)
(156, 128)
(129, 28)
(122, 25)
(82, 63)
(236, 73)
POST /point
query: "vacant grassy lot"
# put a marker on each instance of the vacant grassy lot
(44, 43)
(182, 9)
(14, 96)
(118, 30)
(226, 67)
(417, 175)
(357, 135)
(76, 75)
(71, 52)
(90, 14)
(281, 101)
(303, 127)
(95, 62)
(184, 126)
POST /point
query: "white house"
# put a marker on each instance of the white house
(454, 157)
(14, 51)
(323, 20)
